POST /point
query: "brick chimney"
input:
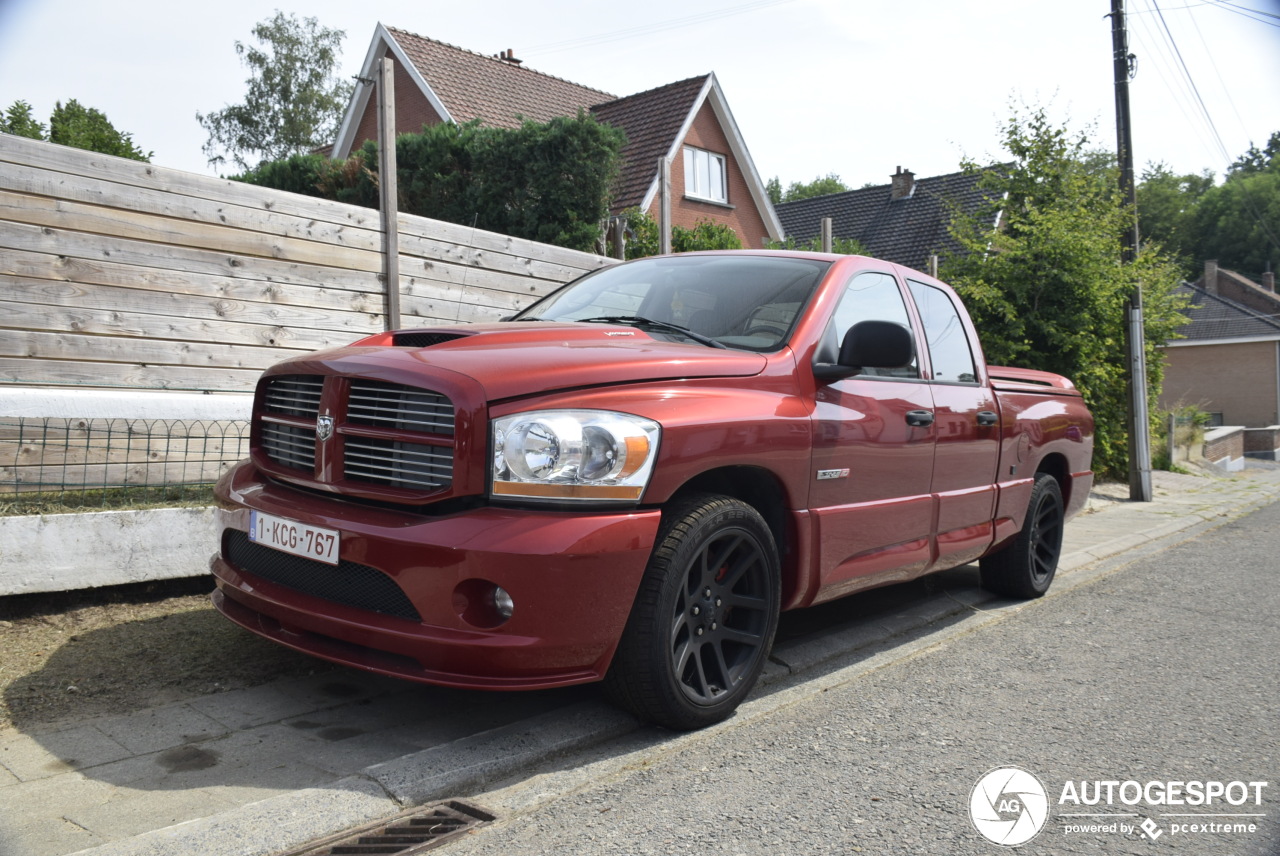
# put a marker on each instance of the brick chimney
(1211, 276)
(904, 184)
(1269, 281)
(509, 56)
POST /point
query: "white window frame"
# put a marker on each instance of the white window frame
(703, 171)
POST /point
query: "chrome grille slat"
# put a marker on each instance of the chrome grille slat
(290, 445)
(395, 406)
(398, 464)
(294, 395)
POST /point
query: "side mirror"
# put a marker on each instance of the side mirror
(869, 345)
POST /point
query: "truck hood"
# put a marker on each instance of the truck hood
(530, 358)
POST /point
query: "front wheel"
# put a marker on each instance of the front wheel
(1025, 566)
(704, 618)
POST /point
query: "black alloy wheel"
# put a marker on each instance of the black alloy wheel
(1025, 567)
(704, 618)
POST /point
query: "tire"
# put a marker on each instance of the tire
(1024, 567)
(704, 618)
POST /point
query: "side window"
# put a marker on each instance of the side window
(949, 350)
(871, 297)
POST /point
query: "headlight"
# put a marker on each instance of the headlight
(591, 455)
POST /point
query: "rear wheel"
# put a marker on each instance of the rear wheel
(1025, 566)
(704, 618)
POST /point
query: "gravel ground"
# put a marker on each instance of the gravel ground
(75, 655)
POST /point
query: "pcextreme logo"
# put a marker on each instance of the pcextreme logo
(1010, 806)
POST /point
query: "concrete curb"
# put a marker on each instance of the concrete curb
(1128, 532)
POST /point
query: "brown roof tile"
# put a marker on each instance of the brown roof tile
(651, 121)
(499, 93)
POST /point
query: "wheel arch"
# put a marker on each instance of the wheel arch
(1056, 465)
(765, 492)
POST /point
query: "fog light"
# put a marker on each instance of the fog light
(502, 602)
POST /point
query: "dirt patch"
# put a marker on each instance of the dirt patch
(76, 655)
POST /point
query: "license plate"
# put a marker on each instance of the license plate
(290, 536)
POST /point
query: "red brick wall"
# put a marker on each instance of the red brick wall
(413, 110)
(743, 217)
(1236, 380)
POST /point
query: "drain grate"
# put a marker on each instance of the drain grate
(414, 831)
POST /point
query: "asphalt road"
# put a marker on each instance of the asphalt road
(1165, 670)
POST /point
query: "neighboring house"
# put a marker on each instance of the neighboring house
(905, 221)
(687, 122)
(1228, 359)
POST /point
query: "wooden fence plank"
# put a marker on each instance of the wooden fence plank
(87, 375)
(79, 217)
(69, 244)
(91, 272)
(33, 181)
(49, 306)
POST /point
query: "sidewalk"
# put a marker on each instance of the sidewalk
(256, 771)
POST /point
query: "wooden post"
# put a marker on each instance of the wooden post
(388, 191)
(620, 238)
(828, 243)
(664, 206)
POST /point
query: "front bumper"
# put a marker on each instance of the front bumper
(572, 577)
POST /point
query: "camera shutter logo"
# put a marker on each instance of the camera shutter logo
(1009, 806)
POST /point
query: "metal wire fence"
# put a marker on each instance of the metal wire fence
(49, 464)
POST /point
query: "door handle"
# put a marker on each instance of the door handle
(919, 418)
(986, 418)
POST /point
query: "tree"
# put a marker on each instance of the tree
(705, 235)
(821, 186)
(1238, 222)
(74, 125)
(1048, 287)
(17, 120)
(294, 100)
(87, 128)
(1166, 209)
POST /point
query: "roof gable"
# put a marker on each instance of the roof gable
(1212, 318)
(905, 230)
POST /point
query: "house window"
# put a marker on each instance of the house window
(704, 175)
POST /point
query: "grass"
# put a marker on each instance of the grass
(106, 499)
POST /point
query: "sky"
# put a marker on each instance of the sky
(855, 88)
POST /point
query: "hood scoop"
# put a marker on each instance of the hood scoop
(422, 338)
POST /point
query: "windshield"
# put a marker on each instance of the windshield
(737, 301)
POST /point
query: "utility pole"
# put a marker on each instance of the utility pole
(1135, 333)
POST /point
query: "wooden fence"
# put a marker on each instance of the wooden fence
(120, 274)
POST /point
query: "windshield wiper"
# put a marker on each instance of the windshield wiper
(642, 322)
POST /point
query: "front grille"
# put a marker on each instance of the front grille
(385, 434)
(348, 583)
(413, 466)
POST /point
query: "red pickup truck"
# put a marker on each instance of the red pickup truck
(630, 479)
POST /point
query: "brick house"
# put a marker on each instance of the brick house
(687, 122)
(905, 221)
(1227, 361)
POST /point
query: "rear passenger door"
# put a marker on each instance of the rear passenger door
(967, 429)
